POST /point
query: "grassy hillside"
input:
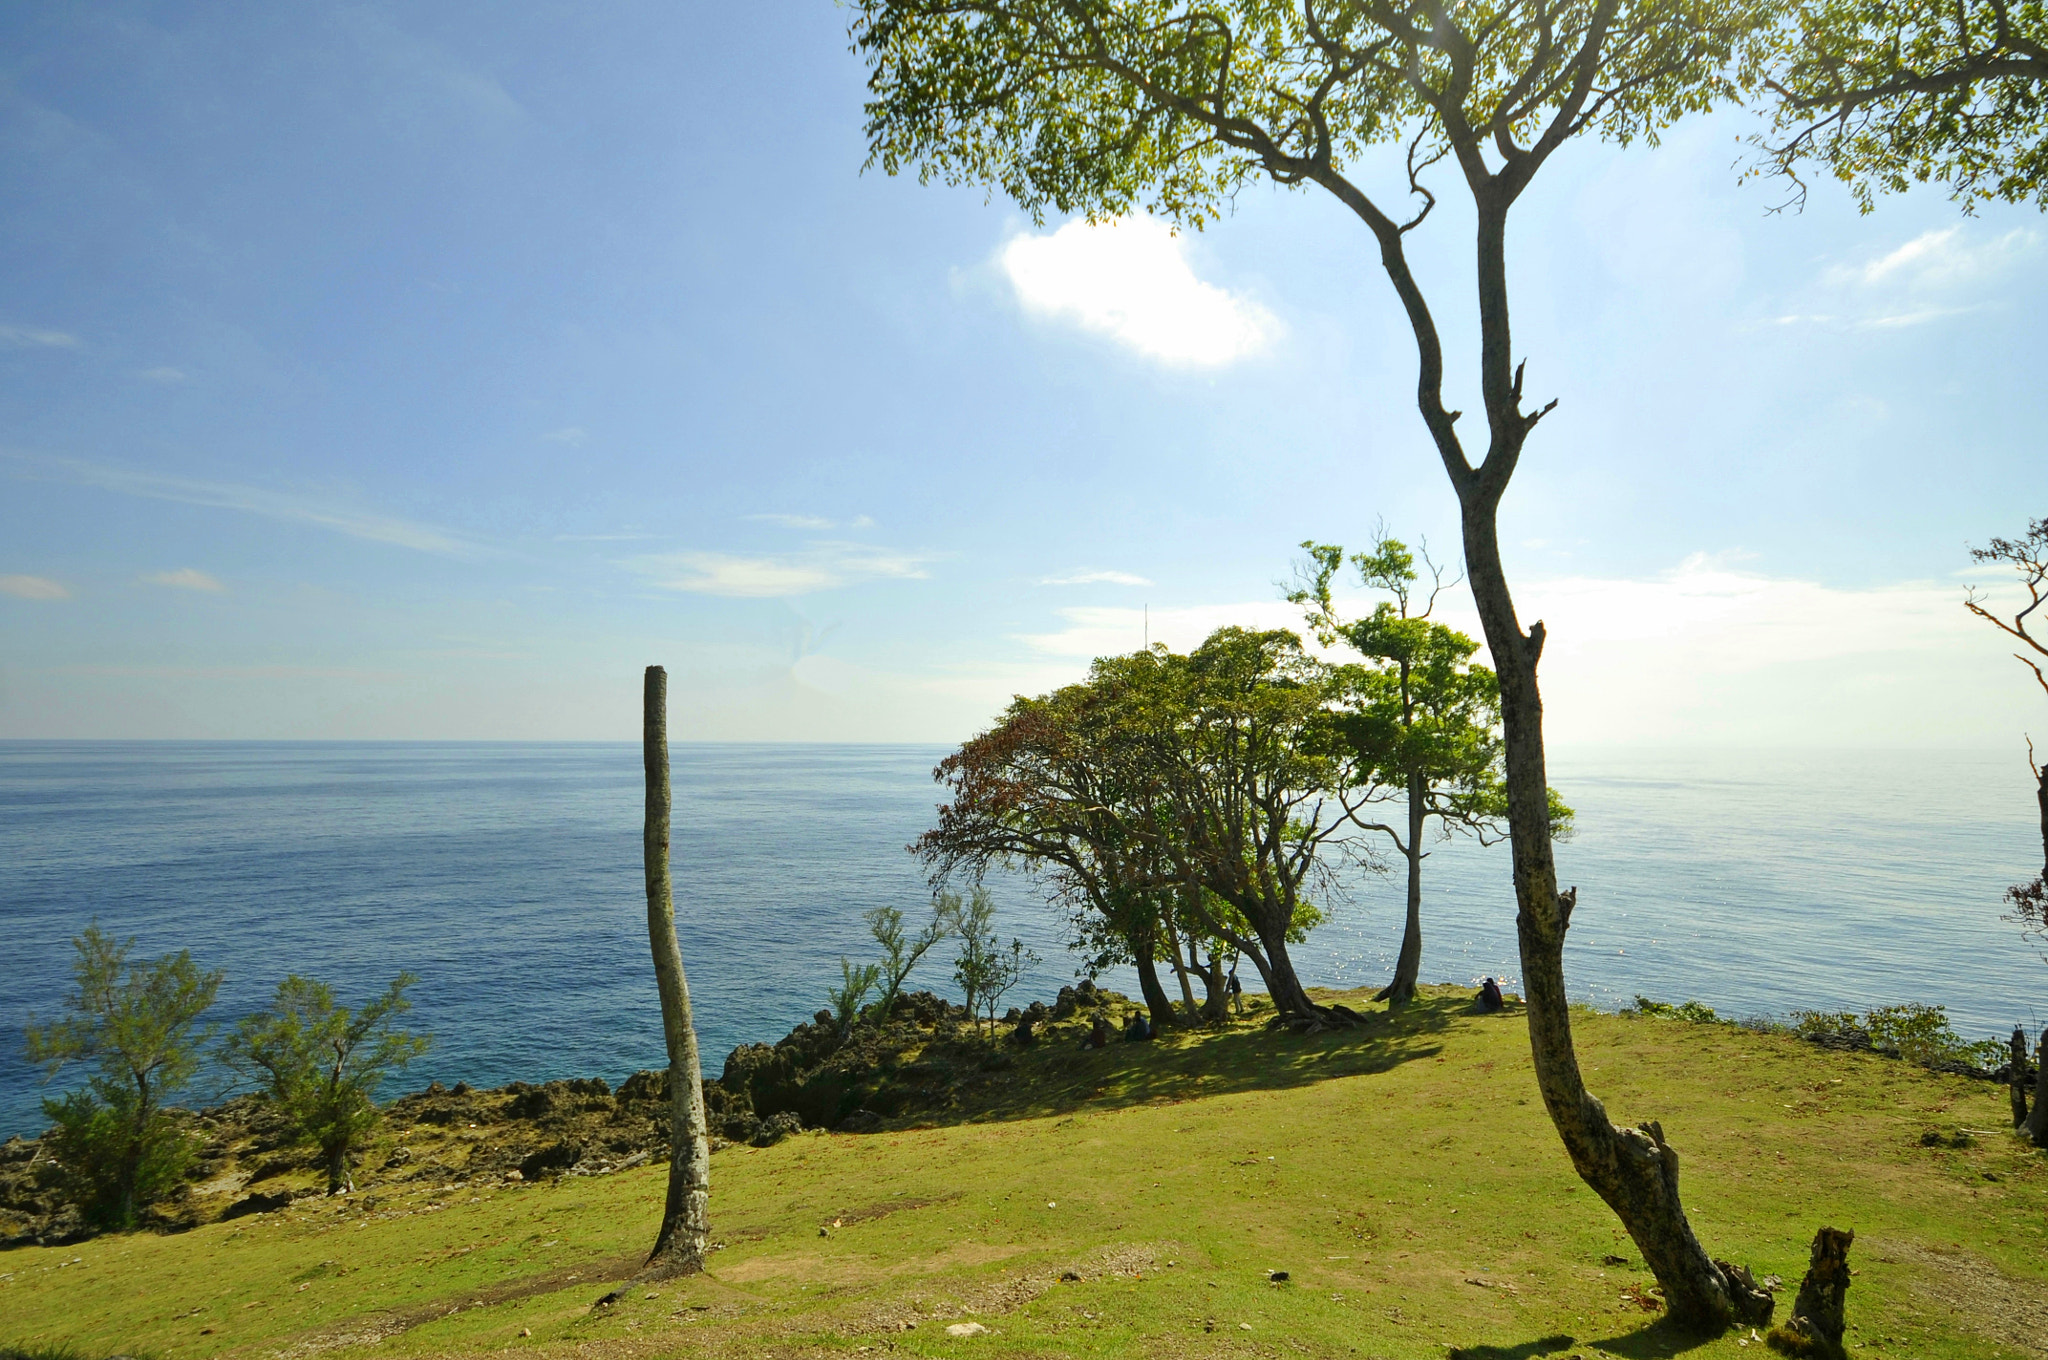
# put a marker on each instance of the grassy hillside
(1135, 1201)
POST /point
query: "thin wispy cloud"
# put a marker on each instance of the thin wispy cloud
(33, 588)
(795, 521)
(185, 578)
(225, 672)
(822, 566)
(1130, 280)
(1938, 258)
(34, 337)
(572, 435)
(291, 507)
(163, 374)
(605, 538)
(1936, 276)
(1091, 578)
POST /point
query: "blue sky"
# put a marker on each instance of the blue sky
(388, 371)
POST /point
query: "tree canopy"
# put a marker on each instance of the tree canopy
(1885, 94)
(1199, 793)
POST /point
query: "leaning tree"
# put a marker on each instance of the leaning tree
(1102, 107)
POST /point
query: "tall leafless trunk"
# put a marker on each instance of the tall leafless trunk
(2016, 1076)
(686, 1218)
(1408, 968)
(2037, 1122)
(1180, 965)
(2041, 795)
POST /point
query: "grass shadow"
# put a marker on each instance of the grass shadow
(1528, 1350)
(1058, 1075)
(1659, 1340)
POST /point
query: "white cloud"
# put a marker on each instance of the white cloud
(794, 521)
(1130, 280)
(1093, 631)
(31, 337)
(185, 578)
(33, 588)
(1090, 578)
(823, 566)
(572, 435)
(281, 505)
(163, 374)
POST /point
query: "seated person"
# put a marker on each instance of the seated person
(1139, 1030)
(1098, 1033)
(1489, 996)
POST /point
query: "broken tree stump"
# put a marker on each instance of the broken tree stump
(1819, 1314)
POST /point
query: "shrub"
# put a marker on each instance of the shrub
(115, 1149)
(321, 1064)
(1917, 1033)
(1692, 1012)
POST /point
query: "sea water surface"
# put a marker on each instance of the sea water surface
(509, 878)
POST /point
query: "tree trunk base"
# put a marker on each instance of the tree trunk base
(1819, 1315)
(1319, 1020)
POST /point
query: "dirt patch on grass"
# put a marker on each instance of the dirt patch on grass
(1990, 1302)
(813, 1269)
(886, 1207)
(368, 1329)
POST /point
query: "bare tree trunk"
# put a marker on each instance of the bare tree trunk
(2041, 794)
(1408, 968)
(1180, 967)
(2037, 1122)
(686, 1218)
(1215, 991)
(1282, 984)
(2016, 1077)
(1156, 999)
(1633, 1169)
(338, 1178)
(1820, 1313)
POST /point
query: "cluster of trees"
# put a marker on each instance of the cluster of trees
(1102, 107)
(141, 1024)
(1197, 809)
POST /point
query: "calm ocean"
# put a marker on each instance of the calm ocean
(508, 878)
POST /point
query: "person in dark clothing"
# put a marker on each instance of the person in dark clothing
(1098, 1033)
(1489, 996)
(1236, 993)
(1139, 1030)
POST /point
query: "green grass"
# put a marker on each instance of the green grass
(1404, 1176)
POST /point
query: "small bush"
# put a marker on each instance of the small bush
(1921, 1034)
(101, 1162)
(1917, 1033)
(1692, 1012)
